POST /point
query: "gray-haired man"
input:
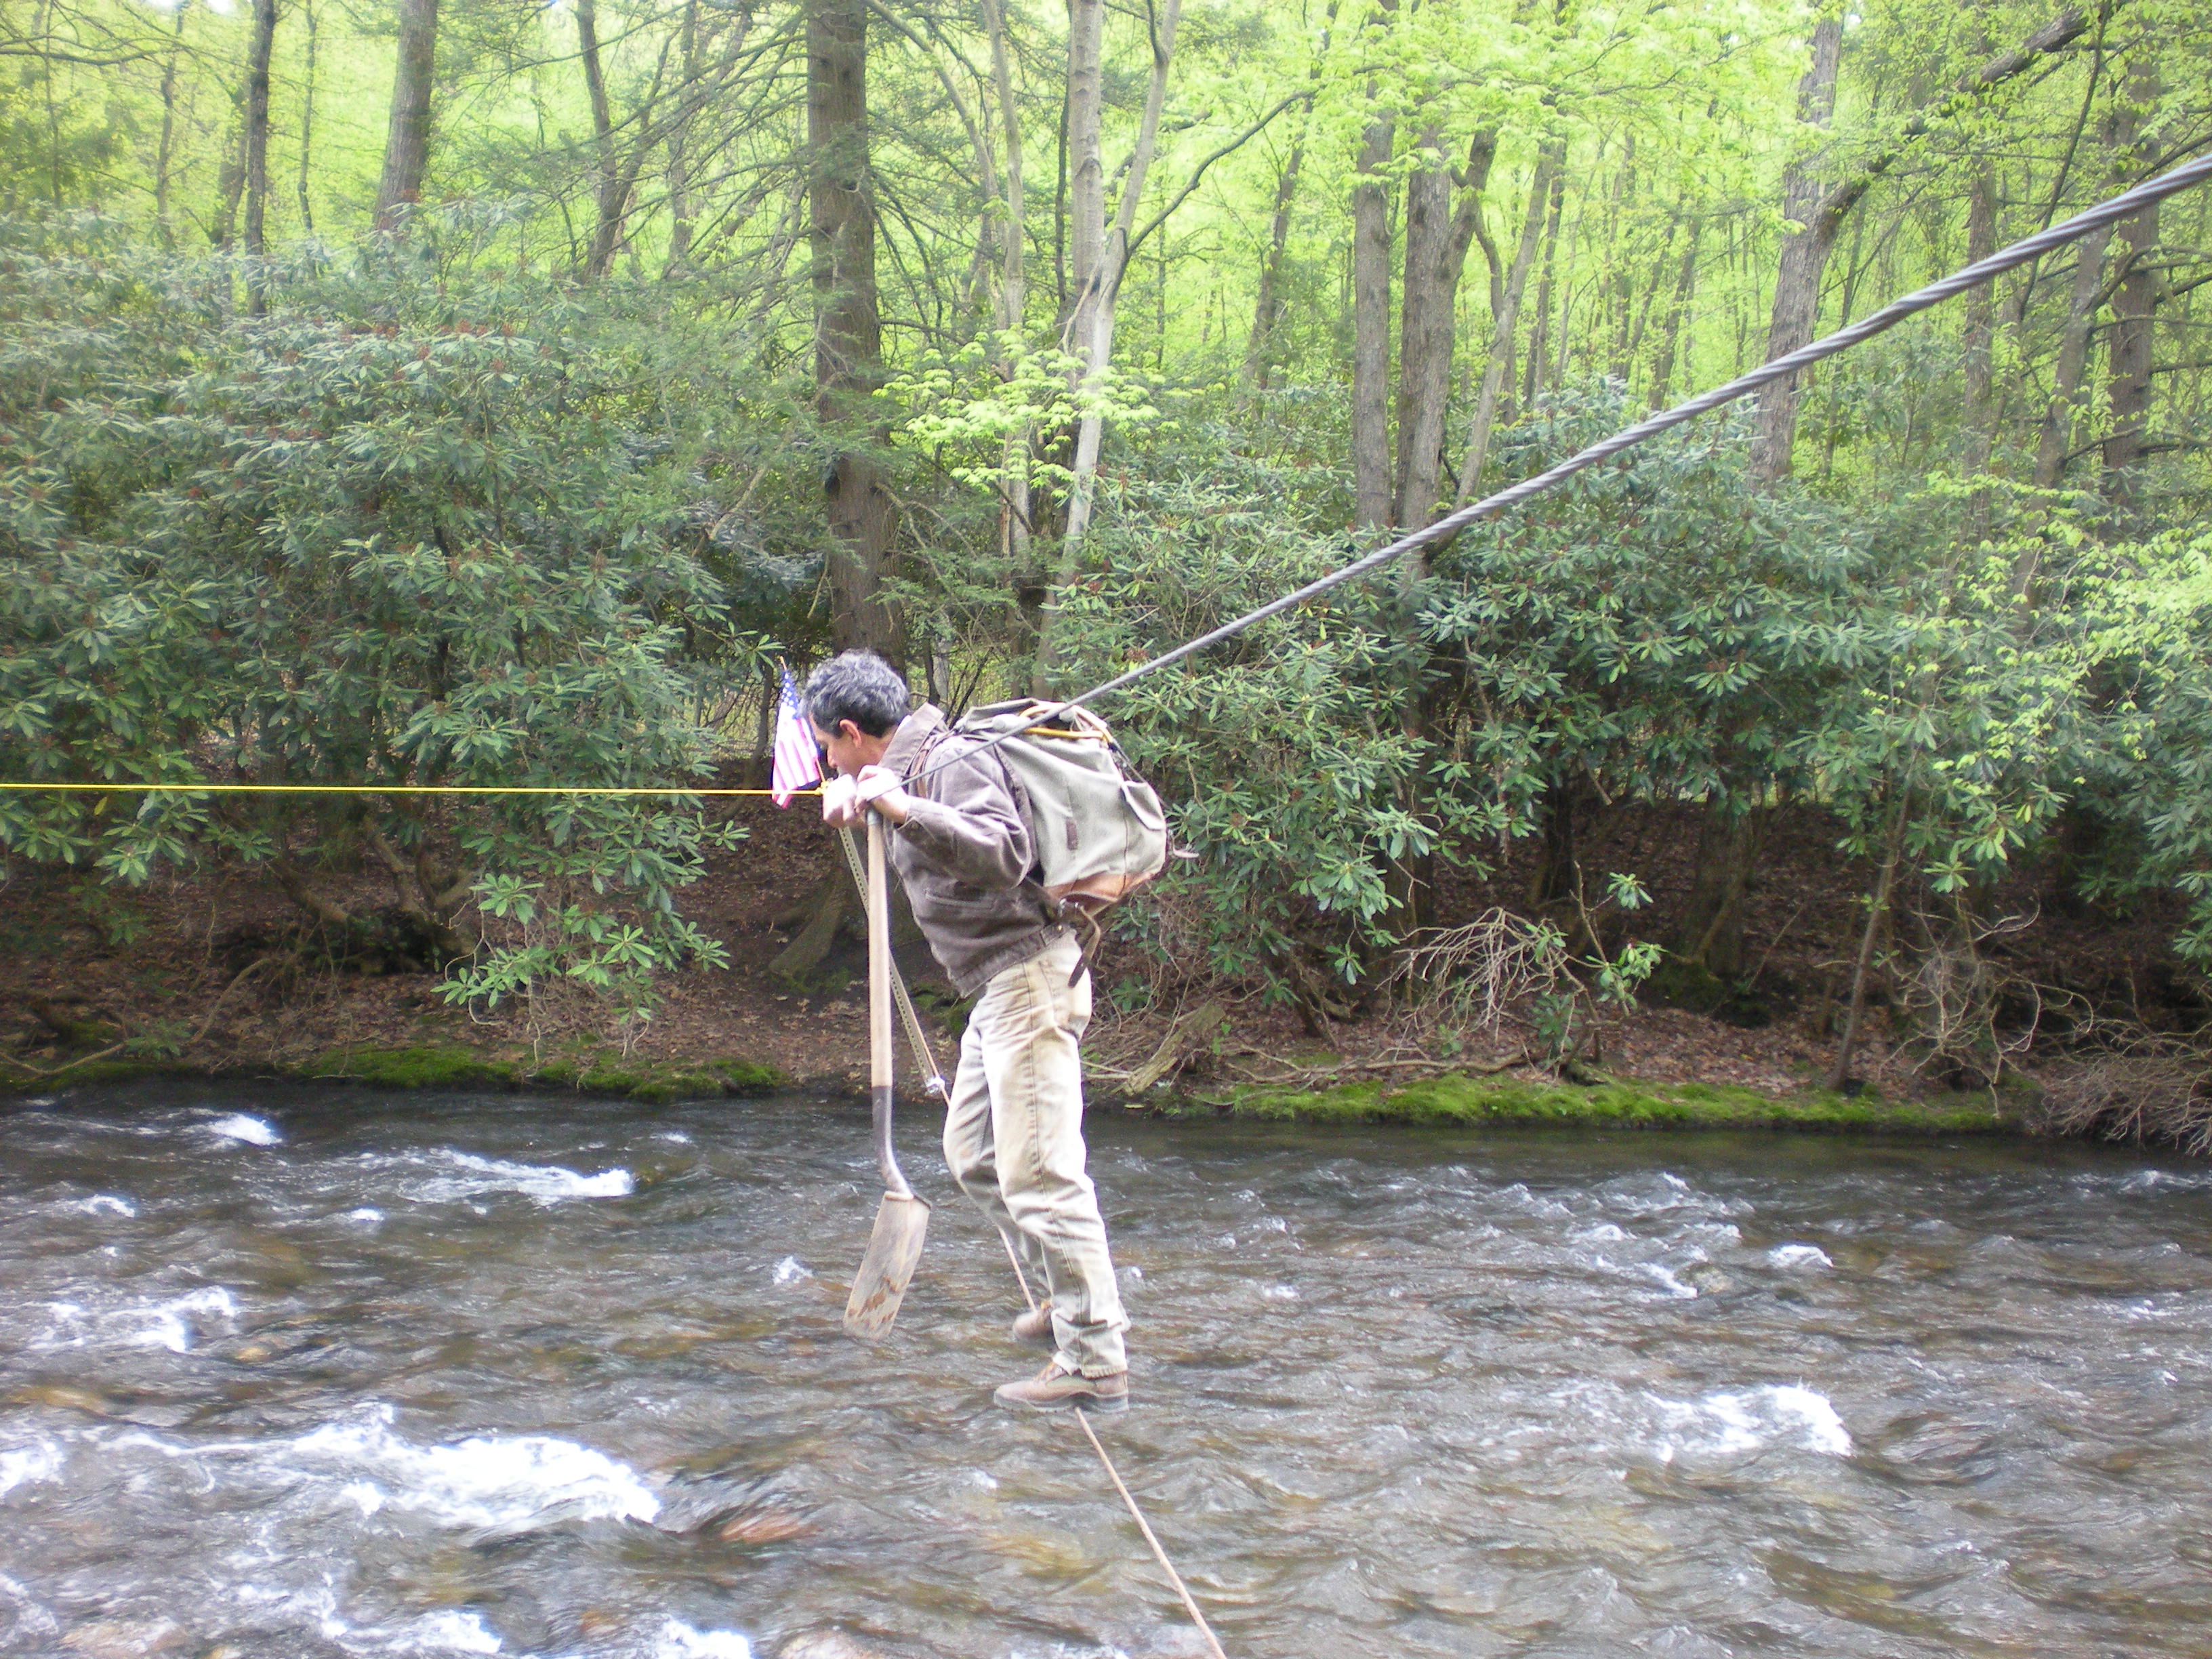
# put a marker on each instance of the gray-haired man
(1013, 1129)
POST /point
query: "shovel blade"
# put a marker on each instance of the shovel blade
(894, 1249)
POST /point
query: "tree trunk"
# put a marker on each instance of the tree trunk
(1096, 301)
(1505, 318)
(1013, 278)
(407, 130)
(230, 181)
(1613, 271)
(1539, 354)
(1266, 309)
(1371, 317)
(307, 128)
(847, 331)
(431, 893)
(2056, 441)
(616, 179)
(1710, 932)
(1624, 368)
(165, 152)
(1438, 233)
(1804, 255)
(1424, 321)
(1554, 880)
(1685, 286)
(1980, 305)
(1059, 193)
(680, 206)
(1840, 1074)
(595, 84)
(2141, 287)
(1086, 168)
(1083, 188)
(1011, 312)
(256, 153)
(831, 910)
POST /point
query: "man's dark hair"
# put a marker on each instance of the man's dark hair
(858, 686)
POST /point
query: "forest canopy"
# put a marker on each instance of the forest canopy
(470, 393)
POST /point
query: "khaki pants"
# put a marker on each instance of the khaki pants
(1014, 1139)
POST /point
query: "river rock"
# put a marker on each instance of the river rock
(125, 1639)
(1937, 1450)
(64, 1396)
(825, 1644)
(762, 1526)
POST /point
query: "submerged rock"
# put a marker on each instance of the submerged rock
(125, 1639)
(825, 1644)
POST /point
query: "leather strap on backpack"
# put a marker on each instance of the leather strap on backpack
(930, 745)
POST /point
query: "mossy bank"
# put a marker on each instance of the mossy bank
(1622, 1103)
(1451, 1099)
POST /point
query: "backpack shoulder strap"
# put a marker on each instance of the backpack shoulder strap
(919, 772)
(930, 755)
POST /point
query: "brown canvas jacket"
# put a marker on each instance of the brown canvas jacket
(965, 855)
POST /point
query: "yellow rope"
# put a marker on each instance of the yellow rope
(373, 789)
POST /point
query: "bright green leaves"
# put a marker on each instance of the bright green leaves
(2149, 613)
(963, 408)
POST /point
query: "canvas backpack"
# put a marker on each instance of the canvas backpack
(1099, 829)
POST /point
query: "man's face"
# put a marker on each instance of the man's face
(849, 748)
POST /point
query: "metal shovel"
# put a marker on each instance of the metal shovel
(902, 1219)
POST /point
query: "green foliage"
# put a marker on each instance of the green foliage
(397, 533)
(1657, 629)
(963, 408)
(2152, 618)
(439, 519)
(1955, 740)
(1281, 752)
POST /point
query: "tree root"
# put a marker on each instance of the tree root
(1189, 1033)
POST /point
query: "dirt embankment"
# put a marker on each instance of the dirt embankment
(156, 976)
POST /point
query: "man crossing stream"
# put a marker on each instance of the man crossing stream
(1014, 1125)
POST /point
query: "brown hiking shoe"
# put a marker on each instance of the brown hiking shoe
(1035, 1326)
(1053, 1389)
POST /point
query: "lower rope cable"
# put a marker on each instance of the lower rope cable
(925, 1062)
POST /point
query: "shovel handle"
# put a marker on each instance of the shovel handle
(880, 1071)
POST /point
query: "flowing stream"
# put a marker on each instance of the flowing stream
(299, 1373)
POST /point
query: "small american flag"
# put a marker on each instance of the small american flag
(797, 763)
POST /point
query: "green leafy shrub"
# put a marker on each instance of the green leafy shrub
(397, 533)
(1656, 628)
(1281, 752)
